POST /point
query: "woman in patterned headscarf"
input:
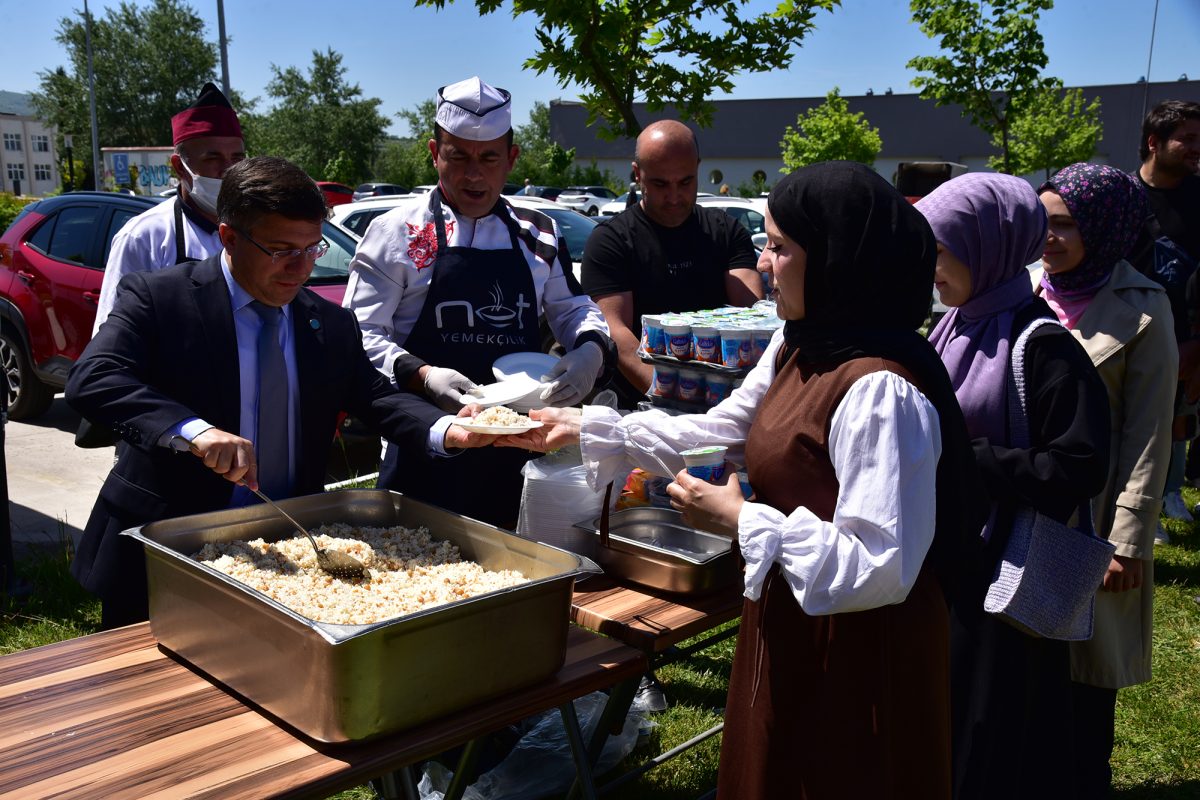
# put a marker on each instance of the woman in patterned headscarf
(1123, 320)
(1011, 692)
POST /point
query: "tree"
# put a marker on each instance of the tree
(994, 64)
(829, 132)
(320, 122)
(149, 63)
(407, 161)
(1052, 130)
(675, 52)
(543, 161)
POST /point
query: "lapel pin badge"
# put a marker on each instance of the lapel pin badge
(315, 324)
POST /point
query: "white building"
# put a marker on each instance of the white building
(28, 157)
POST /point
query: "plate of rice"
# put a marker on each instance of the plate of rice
(498, 420)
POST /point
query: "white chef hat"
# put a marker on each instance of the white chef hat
(473, 110)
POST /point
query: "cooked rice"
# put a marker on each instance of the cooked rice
(503, 417)
(410, 571)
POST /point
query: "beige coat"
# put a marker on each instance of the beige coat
(1128, 332)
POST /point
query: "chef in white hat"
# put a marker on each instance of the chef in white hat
(449, 281)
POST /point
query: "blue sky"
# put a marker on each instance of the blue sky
(401, 54)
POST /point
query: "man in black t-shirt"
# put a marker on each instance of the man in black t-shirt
(665, 253)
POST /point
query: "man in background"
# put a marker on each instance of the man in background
(665, 253)
(208, 141)
(1169, 252)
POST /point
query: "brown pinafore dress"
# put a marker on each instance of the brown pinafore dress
(843, 706)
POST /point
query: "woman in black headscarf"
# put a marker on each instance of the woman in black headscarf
(858, 457)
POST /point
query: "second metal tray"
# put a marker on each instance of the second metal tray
(652, 547)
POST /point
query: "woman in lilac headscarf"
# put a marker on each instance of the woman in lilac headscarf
(1010, 692)
(1123, 320)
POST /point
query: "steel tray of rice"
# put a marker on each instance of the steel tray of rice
(337, 681)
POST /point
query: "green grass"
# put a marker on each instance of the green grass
(1157, 751)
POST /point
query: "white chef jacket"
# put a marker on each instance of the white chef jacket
(387, 287)
(884, 442)
(146, 243)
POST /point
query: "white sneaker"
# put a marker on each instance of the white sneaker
(1160, 535)
(1175, 508)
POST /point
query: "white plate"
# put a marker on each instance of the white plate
(530, 365)
(502, 393)
(498, 429)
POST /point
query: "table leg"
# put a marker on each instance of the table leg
(464, 771)
(583, 761)
(615, 711)
(399, 784)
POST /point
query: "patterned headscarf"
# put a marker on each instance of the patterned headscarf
(996, 226)
(1109, 208)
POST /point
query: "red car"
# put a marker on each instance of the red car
(335, 193)
(51, 266)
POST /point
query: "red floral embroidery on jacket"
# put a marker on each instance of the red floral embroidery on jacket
(422, 243)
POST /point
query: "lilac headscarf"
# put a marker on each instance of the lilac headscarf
(996, 225)
(1109, 207)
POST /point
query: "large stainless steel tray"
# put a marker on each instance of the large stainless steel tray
(350, 682)
(652, 547)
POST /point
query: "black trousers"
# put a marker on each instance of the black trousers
(1093, 718)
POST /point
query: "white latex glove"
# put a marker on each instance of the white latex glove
(573, 376)
(445, 387)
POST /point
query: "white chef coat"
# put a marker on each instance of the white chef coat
(387, 287)
(884, 442)
(146, 243)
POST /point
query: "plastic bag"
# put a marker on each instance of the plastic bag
(541, 763)
(555, 497)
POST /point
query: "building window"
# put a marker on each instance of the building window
(41, 172)
(16, 172)
(715, 177)
(760, 176)
(41, 144)
(12, 142)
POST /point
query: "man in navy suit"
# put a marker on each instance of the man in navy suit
(232, 359)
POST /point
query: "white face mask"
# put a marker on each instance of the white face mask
(203, 191)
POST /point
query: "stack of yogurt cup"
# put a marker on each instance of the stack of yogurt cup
(728, 337)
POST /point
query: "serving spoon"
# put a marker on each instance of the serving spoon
(333, 562)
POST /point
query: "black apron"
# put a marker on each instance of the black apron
(481, 305)
(180, 248)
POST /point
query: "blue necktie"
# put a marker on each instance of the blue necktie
(271, 444)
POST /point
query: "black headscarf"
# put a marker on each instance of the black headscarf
(867, 288)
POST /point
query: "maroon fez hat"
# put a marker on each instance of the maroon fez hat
(210, 115)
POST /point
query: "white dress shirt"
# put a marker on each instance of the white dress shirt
(884, 442)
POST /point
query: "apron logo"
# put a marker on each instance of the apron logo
(422, 243)
(496, 314)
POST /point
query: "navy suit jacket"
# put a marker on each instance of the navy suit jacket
(168, 352)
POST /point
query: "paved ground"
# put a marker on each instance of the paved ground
(52, 484)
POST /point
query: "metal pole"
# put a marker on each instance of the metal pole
(1149, 60)
(224, 49)
(97, 167)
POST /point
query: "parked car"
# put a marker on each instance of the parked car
(746, 211)
(586, 199)
(364, 190)
(546, 192)
(335, 193)
(51, 266)
(424, 188)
